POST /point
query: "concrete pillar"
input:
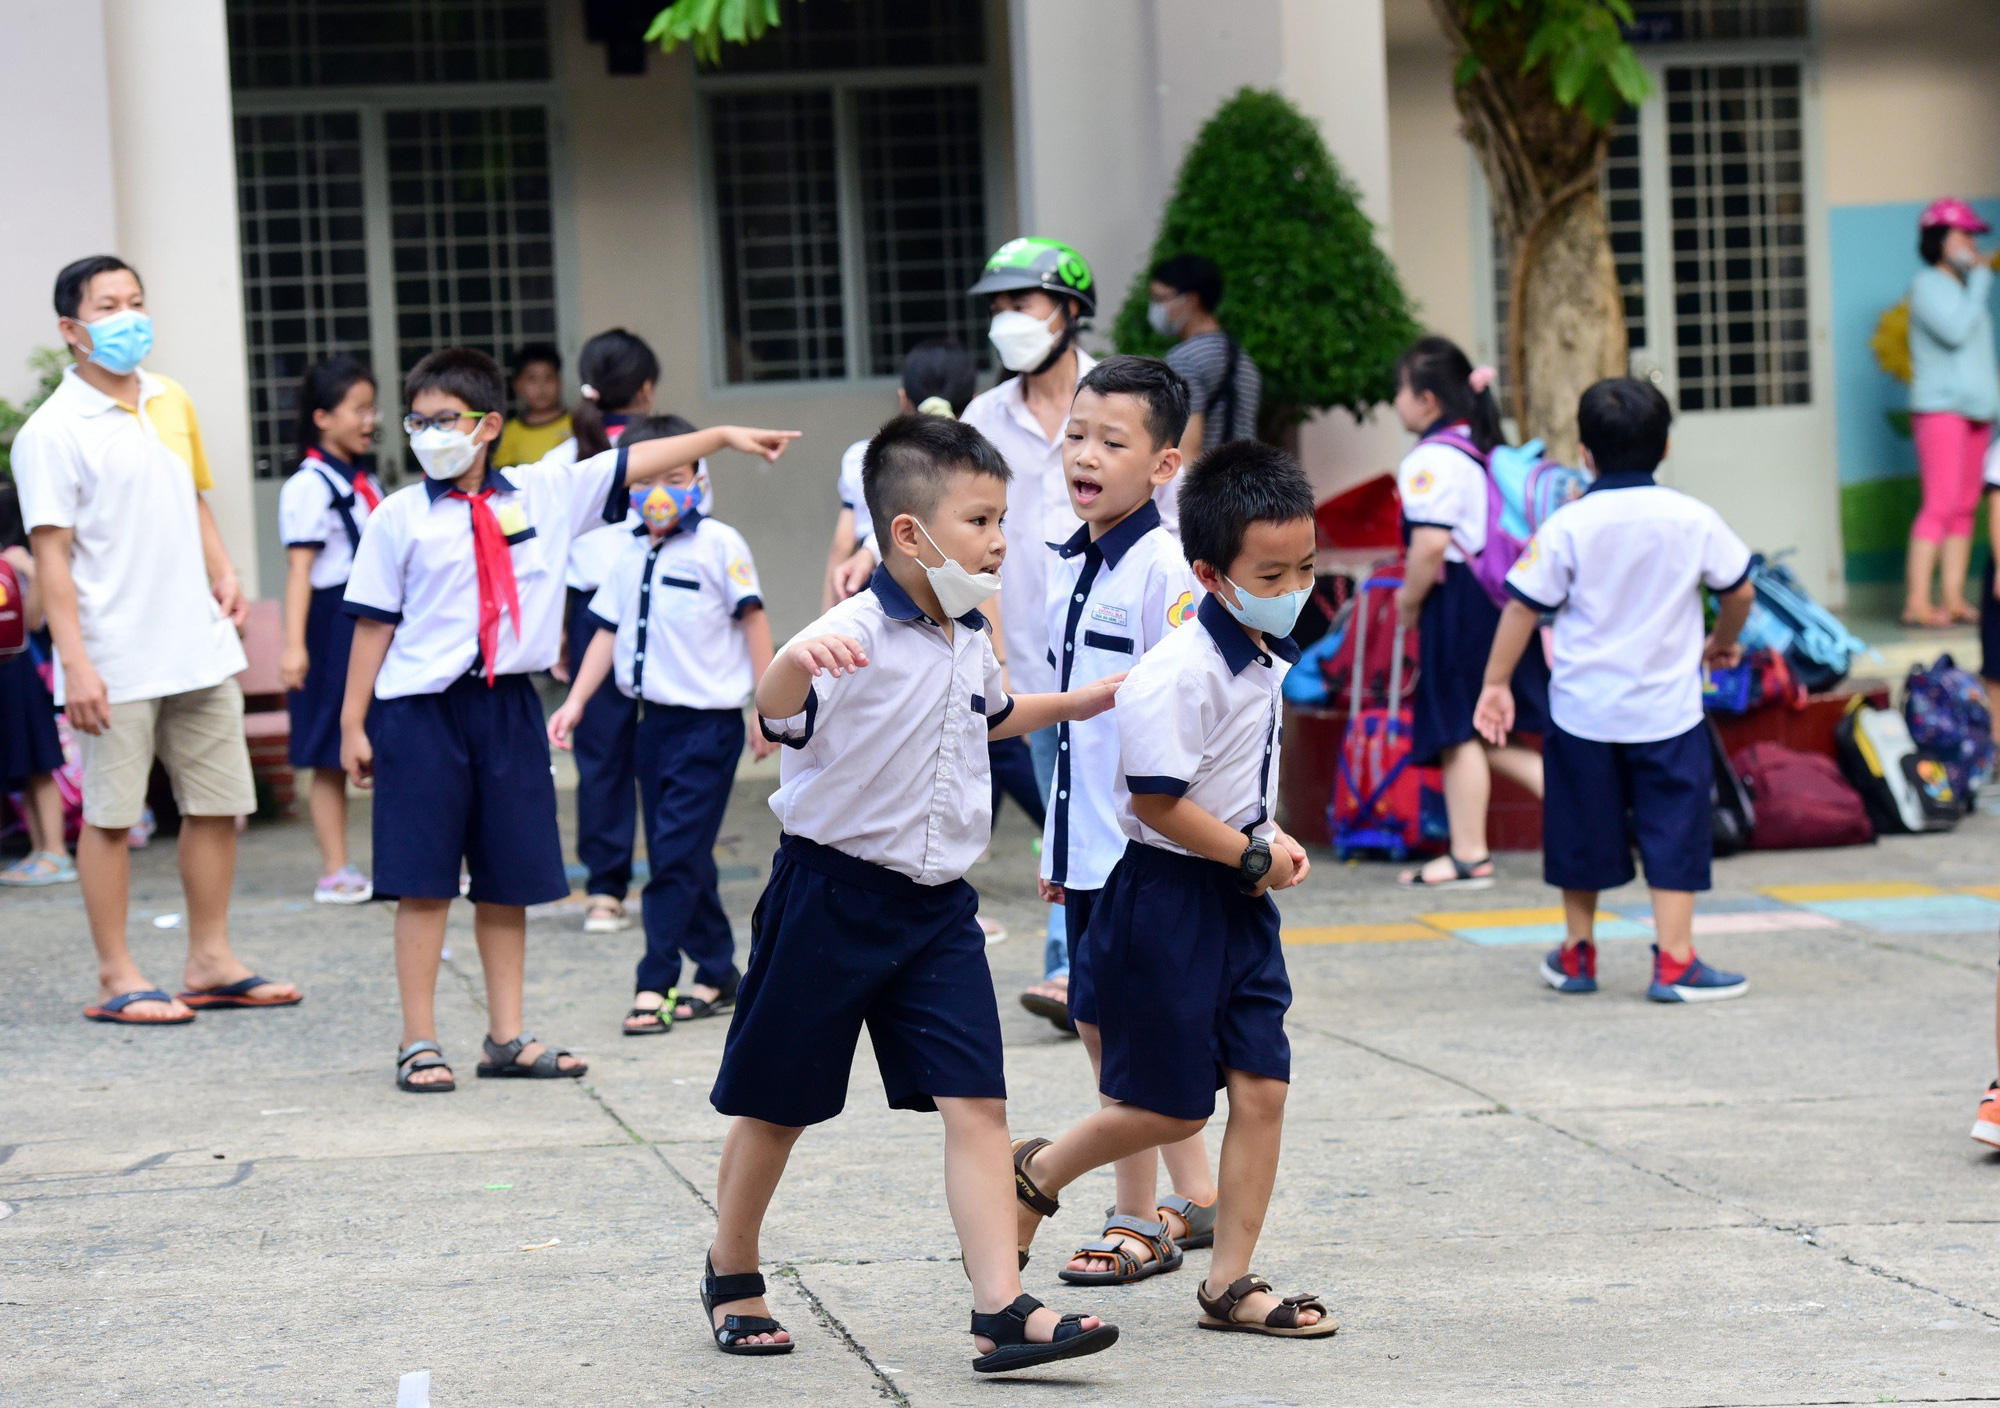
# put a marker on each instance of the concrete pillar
(55, 167)
(174, 171)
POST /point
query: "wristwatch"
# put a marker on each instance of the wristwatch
(1256, 862)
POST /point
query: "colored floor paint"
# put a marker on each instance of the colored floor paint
(1852, 890)
(1918, 914)
(1508, 934)
(1457, 919)
(1362, 934)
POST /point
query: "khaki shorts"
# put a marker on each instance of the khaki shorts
(198, 736)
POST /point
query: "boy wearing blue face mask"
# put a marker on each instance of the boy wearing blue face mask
(1188, 979)
(680, 626)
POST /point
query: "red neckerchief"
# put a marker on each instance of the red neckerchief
(496, 575)
(357, 478)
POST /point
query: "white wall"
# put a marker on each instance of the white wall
(55, 166)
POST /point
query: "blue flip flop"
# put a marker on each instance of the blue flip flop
(114, 1011)
(237, 994)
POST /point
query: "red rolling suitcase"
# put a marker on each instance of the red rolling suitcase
(1383, 804)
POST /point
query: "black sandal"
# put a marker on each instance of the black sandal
(1024, 1187)
(1126, 1265)
(699, 1007)
(1461, 878)
(1008, 1329)
(503, 1059)
(1219, 1312)
(720, 1290)
(663, 1017)
(413, 1058)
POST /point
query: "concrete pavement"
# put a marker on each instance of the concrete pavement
(1506, 1196)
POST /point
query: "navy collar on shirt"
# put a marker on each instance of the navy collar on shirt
(1116, 541)
(438, 488)
(897, 605)
(1238, 650)
(333, 462)
(687, 523)
(1623, 479)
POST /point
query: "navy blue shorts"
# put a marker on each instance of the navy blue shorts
(315, 710)
(1989, 626)
(1454, 638)
(1189, 982)
(836, 942)
(464, 776)
(29, 743)
(1604, 798)
(1078, 906)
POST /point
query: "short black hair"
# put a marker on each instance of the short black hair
(324, 386)
(76, 277)
(464, 372)
(655, 428)
(1623, 422)
(1166, 396)
(1930, 242)
(940, 368)
(1192, 273)
(911, 460)
(529, 353)
(1233, 486)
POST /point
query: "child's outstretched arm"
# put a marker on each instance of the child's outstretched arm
(364, 663)
(782, 691)
(590, 673)
(1188, 825)
(1493, 716)
(1038, 711)
(651, 459)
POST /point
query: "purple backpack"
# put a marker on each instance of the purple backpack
(1503, 549)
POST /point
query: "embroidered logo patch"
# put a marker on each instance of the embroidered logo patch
(739, 572)
(1181, 609)
(1421, 481)
(1529, 553)
(1109, 615)
(513, 519)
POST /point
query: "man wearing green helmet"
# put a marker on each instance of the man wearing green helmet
(1038, 291)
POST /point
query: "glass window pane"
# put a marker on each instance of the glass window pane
(335, 43)
(827, 34)
(1683, 21)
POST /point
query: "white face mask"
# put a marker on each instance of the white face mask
(1159, 316)
(1022, 340)
(958, 591)
(444, 454)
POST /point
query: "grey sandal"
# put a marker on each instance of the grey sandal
(503, 1059)
(422, 1056)
(1198, 1218)
(1126, 1265)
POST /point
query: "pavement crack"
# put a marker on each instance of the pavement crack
(884, 1385)
(693, 1190)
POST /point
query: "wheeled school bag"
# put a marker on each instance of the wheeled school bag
(1735, 812)
(1523, 488)
(1382, 802)
(1785, 618)
(1949, 716)
(13, 611)
(1903, 789)
(1373, 645)
(1802, 801)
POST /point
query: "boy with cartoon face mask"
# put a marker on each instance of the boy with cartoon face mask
(681, 629)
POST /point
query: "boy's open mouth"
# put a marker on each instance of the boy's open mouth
(1085, 488)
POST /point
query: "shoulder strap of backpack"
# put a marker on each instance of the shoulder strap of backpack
(343, 504)
(1226, 389)
(1457, 440)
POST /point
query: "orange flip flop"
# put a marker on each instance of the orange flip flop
(115, 1013)
(237, 994)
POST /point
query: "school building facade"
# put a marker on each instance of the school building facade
(296, 178)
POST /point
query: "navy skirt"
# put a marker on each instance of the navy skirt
(316, 708)
(28, 740)
(1455, 637)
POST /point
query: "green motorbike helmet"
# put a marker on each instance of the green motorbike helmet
(1049, 265)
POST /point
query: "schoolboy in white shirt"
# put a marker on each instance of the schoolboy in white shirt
(885, 705)
(457, 608)
(1627, 756)
(1188, 977)
(1119, 586)
(680, 626)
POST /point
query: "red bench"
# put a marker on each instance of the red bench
(267, 726)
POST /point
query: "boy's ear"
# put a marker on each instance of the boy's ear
(488, 429)
(1166, 464)
(903, 533)
(1210, 579)
(1589, 460)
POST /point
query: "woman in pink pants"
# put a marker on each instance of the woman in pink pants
(1954, 400)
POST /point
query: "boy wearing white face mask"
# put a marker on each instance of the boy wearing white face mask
(1189, 987)
(885, 706)
(458, 586)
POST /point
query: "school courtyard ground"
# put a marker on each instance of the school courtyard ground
(1506, 1196)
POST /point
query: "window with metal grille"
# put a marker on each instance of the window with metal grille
(849, 191)
(1690, 21)
(305, 261)
(341, 43)
(1737, 182)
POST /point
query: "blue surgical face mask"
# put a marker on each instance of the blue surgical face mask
(120, 341)
(1267, 615)
(662, 506)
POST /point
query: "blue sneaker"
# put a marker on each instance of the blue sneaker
(1700, 983)
(1572, 969)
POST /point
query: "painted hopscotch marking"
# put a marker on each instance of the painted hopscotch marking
(1363, 934)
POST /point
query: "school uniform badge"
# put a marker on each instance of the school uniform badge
(739, 572)
(1181, 609)
(1421, 481)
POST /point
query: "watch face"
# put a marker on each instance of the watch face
(1256, 860)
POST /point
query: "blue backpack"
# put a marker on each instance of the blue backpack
(1522, 489)
(1950, 718)
(1786, 619)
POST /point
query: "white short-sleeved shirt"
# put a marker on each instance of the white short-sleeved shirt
(1201, 717)
(1443, 487)
(309, 514)
(675, 604)
(1621, 568)
(852, 496)
(888, 764)
(1110, 602)
(416, 569)
(85, 462)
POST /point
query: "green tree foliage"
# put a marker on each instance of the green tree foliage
(1306, 290)
(706, 23)
(47, 364)
(1579, 45)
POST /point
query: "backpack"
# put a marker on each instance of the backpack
(1522, 490)
(1904, 790)
(1735, 809)
(13, 611)
(1763, 678)
(1786, 619)
(1949, 716)
(1382, 802)
(1802, 800)
(1367, 622)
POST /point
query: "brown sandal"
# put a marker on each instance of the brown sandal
(1032, 1197)
(1282, 1322)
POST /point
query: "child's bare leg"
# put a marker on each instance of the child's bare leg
(1520, 765)
(753, 1160)
(45, 815)
(1673, 922)
(1187, 1168)
(979, 1187)
(1137, 1174)
(1103, 1138)
(502, 933)
(1579, 916)
(419, 943)
(1468, 790)
(327, 802)
(1249, 1167)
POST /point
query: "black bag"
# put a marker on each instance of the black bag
(1735, 813)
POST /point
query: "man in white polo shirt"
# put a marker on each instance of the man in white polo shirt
(143, 605)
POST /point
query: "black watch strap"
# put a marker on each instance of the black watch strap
(1256, 861)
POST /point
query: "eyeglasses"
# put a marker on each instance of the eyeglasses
(443, 420)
